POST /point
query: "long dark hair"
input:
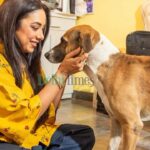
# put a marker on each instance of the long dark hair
(11, 12)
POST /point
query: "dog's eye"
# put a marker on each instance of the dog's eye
(63, 40)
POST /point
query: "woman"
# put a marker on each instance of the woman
(27, 109)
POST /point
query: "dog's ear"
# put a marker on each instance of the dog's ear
(86, 42)
(75, 35)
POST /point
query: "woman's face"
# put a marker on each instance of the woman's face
(30, 30)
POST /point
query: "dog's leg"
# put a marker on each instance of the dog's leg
(115, 135)
(131, 132)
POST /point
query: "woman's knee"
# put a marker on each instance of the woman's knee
(85, 137)
(81, 134)
(90, 135)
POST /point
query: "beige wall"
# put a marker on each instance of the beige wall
(115, 19)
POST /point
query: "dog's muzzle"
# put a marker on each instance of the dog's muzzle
(54, 56)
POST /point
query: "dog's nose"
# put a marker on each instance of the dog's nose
(47, 55)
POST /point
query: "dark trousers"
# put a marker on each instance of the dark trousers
(66, 137)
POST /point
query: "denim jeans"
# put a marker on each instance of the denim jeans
(66, 137)
(72, 137)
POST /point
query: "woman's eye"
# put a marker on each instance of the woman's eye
(34, 28)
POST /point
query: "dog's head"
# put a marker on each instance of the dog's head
(82, 36)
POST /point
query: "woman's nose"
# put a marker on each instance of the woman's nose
(40, 35)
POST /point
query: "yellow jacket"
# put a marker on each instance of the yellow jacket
(19, 110)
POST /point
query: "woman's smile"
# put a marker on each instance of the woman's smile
(34, 44)
(31, 30)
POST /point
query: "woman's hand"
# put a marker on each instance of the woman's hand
(72, 64)
(53, 92)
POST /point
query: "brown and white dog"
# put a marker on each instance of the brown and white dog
(122, 81)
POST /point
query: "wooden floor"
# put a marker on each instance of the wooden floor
(81, 112)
